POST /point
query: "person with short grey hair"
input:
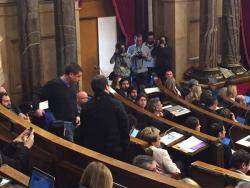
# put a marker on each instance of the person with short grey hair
(146, 162)
(155, 106)
(243, 184)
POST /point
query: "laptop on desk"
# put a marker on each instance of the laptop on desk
(40, 179)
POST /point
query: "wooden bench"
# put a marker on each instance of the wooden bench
(66, 160)
(211, 176)
(215, 148)
(238, 131)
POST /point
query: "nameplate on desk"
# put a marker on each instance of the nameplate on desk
(244, 141)
(190, 145)
(152, 90)
(171, 138)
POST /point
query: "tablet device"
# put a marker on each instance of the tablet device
(40, 179)
(134, 132)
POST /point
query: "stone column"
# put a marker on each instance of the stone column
(208, 43)
(30, 45)
(65, 30)
(231, 36)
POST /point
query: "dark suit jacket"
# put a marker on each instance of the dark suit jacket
(104, 125)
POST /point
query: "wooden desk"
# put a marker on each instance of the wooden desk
(15, 175)
(208, 175)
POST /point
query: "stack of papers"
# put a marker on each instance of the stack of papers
(191, 144)
(170, 138)
(244, 141)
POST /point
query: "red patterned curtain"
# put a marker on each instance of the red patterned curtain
(245, 28)
(125, 14)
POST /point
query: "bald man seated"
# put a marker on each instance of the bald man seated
(82, 98)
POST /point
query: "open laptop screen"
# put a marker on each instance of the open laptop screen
(40, 179)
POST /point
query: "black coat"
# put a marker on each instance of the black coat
(104, 126)
(16, 157)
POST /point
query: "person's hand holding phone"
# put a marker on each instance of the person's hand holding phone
(29, 141)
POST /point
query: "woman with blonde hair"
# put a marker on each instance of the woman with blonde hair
(194, 94)
(231, 92)
(96, 175)
(170, 84)
(161, 156)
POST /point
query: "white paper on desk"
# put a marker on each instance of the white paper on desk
(166, 107)
(244, 141)
(189, 143)
(170, 137)
(152, 90)
(44, 105)
(4, 181)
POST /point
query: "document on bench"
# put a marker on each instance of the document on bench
(191, 144)
(152, 90)
(44, 105)
(176, 110)
(244, 141)
(171, 137)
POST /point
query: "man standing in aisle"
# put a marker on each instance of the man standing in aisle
(60, 94)
(139, 55)
(104, 120)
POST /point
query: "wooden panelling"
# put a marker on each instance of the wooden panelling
(97, 8)
(89, 51)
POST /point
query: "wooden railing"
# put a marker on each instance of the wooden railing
(66, 160)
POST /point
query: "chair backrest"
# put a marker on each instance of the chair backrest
(213, 176)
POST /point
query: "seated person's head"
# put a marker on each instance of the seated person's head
(226, 113)
(169, 74)
(241, 100)
(170, 84)
(132, 92)
(240, 161)
(141, 100)
(124, 84)
(193, 82)
(151, 135)
(211, 103)
(222, 92)
(5, 100)
(205, 95)
(217, 130)
(96, 175)
(195, 93)
(154, 105)
(231, 91)
(193, 123)
(116, 82)
(82, 97)
(146, 162)
(99, 84)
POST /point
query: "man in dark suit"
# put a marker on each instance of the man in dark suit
(104, 125)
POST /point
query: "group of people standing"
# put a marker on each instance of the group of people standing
(142, 60)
